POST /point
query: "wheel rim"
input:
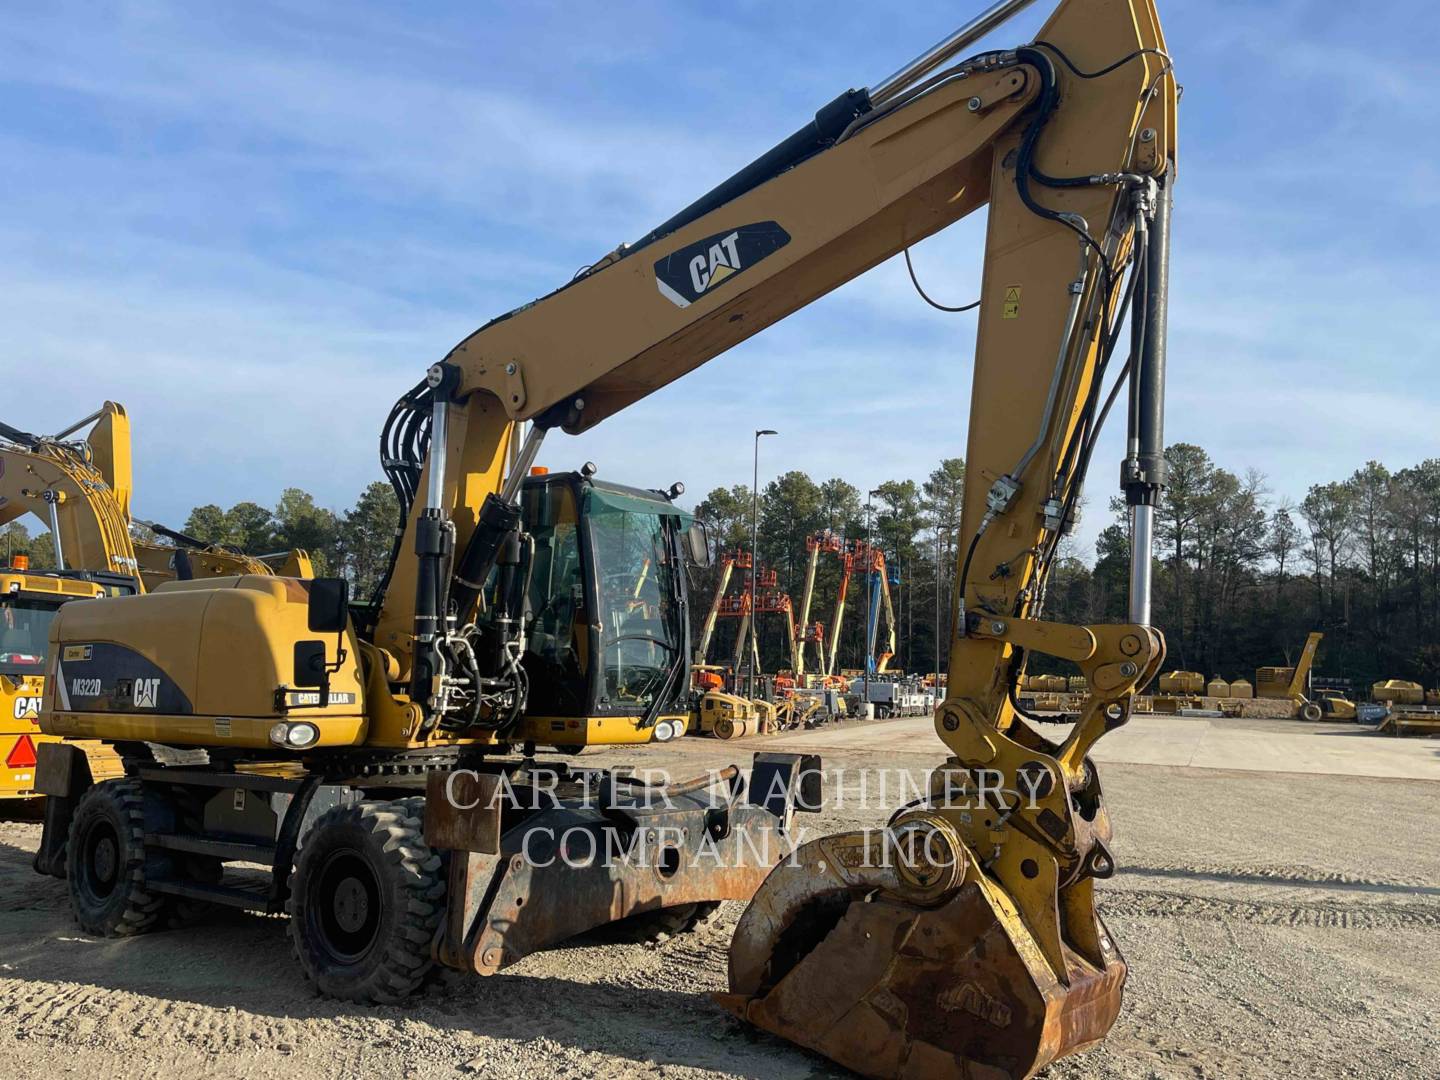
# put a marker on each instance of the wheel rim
(343, 906)
(101, 863)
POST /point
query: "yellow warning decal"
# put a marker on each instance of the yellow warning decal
(1011, 310)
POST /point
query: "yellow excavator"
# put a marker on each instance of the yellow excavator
(960, 941)
(81, 488)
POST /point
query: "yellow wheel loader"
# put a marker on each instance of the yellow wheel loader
(960, 941)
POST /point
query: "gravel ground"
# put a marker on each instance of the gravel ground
(1276, 926)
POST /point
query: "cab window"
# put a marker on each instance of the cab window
(24, 635)
(556, 638)
(638, 614)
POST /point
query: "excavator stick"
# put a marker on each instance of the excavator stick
(962, 941)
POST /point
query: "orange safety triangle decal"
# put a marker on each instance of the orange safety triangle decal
(22, 754)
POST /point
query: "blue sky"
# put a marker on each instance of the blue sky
(256, 224)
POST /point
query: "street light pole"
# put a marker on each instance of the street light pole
(870, 602)
(900, 633)
(938, 562)
(755, 553)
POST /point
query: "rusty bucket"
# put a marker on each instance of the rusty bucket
(894, 978)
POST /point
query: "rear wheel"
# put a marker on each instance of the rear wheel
(105, 862)
(366, 899)
(1311, 711)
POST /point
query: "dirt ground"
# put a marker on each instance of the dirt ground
(1276, 925)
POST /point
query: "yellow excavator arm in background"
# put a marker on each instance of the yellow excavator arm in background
(82, 490)
(1300, 680)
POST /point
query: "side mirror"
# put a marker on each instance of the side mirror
(329, 606)
(697, 545)
(310, 666)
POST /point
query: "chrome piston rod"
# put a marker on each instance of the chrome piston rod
(523, 461)
(1142, 553)
(439, 450)
(52, 503)
(992, 17)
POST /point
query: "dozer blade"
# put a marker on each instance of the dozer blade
(851, 960)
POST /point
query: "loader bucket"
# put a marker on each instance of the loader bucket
(833, 956)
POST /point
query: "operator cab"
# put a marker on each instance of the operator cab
(29, 600)
(607, 626)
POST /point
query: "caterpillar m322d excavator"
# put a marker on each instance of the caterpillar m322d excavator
(977, 950)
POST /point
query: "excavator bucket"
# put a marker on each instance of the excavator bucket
(894, 975)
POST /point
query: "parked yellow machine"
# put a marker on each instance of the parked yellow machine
(1182, 682)
(81, 487)
(727, 716)
(28, 603)
(1293, 685)
(1398, 692)
(1410, 708)
(978, 951)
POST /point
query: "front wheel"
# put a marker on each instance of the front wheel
(1311, 711)
(365, 902)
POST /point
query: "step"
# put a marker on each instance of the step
(251, 897)
(174, 774)
(229, 850)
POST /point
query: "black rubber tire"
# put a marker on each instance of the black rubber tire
(365, 901)
(105, 862)
(1312, 712)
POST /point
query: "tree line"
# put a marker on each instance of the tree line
(915, 524)
(353, 543)
(1241, 574)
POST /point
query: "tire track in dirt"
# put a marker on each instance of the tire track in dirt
(1329, 880)
(1336, 915)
